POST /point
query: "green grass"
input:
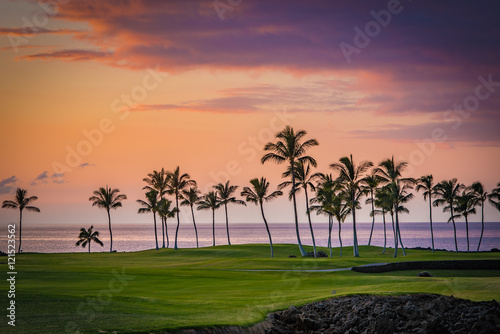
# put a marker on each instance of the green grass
(207, 287)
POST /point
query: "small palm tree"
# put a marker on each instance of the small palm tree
(107, 198)
(465, 205)
(304, 180)
(86, 236)
(178, 182)
(21, 202)
(384, 202)
(165, 212)
(225, 192)
(447, 192)
(210, 201)
(191, 197)
(159, 181)
(371, 183)
(480, 196)
(426, 183)
(150, 205)
(290, 149)
(258, 195)
(494, 197)
(350, 176)
(399, 194)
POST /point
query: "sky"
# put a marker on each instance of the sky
(99, 93)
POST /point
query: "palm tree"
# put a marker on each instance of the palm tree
(210, 201)
(178, 182)
(465, 204)
(86, 236)
(150, 205)
(350, 176)
(447, 192)
(190, 197)
(21, 202)
(480, 196)
(303, 180)
(390, 174)
(290, 149)
(494, 197)
(371, 183)
(225, 191)
(159, 181)
(258, 195)
(107, 198)
(384, 202)
(426, 183)
(165, 212)
(399, 194)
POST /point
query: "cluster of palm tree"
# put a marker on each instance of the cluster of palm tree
(385, 189)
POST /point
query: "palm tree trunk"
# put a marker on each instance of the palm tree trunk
(213, 226)
(195, 229)
(454, 228)
(310, 224)
(20, 229)
(395, 229)
(340, 238)
(302, 251)
(178, 221)
(227, 225)
(467, 231)
(156, 236)
(354, 235)
(482, 225)
(89, 246)
(398, 233)
(110, 233)
(267, 228)
(385, 232)
(430, 220)
(373, 219)
(163, 230)
(166, 231)
(330, 223)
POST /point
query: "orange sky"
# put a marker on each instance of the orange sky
(211, 112)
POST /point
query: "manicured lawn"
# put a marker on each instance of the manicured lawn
(155, 290)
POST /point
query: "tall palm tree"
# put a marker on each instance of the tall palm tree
(150, 205)
(191, 197)
(21, 202)
(447, 192)
(225, 192)
(480, 196)
(290, 148)
(159, 181)
(178, 182)
(107, 198)
(371, 183)
(303, 180)
(350, 176)
(210, 201)
(165, 212)
(390, 174)
(494, 197)
(426, 183)
(258, 194)
(465, 204)
(86, 236)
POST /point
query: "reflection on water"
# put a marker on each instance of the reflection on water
(126, 237)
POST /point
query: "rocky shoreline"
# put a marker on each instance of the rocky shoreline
(363, 314)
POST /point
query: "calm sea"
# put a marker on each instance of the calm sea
(129, 237)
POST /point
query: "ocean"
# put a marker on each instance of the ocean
(137, 237)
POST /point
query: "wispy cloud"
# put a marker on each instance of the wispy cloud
(7, 184)
(45, 178)
(27, 31)
(69, 55)
(86, 164)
